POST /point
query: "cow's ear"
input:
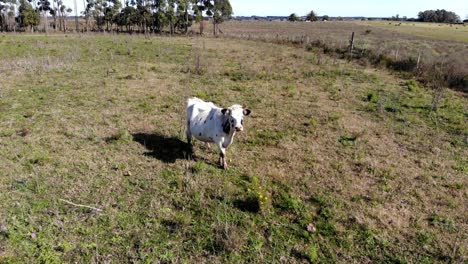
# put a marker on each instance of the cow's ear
(225, 111)
(246, 112)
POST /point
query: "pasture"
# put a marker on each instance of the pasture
(420, 49)
(429, 30)
(338, 162)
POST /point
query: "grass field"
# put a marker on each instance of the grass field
(423, 49)
(427, 30)
(338, 163)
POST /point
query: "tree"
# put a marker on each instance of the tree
(293, 17)
(127, 18)
(44, 7)
(219, 10)
(325, 18)
(28, 17)
(312, 16)
(159, 16)
(7, 15)
(111, 10)
(184, 19)
(438, 16)
(395, 18)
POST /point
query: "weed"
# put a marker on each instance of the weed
(283, 201)
(412, 85)
(347, 140)
(312, 254)
(267, 137)
(122, 136)
(372, 97)
(442, 222)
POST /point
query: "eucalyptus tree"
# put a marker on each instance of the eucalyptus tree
(312, 16)
(222, 11)
(44, 7)
(127, 18)
(60, 12)
(111, 9)
(143, 14)
(159, 18)
(171, 15)
(218, 10)
(185, 14)
(293, 17)
(3, 20)
(7, 15)
(28, 17)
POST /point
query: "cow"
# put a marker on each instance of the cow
(210, 123)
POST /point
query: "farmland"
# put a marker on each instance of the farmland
(424, 49)
(428, 30)
(339, 161)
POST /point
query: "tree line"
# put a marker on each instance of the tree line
(438, 16)
(148, 16)
(434, 16)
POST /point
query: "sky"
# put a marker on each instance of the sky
(344, 8)
(367, 8)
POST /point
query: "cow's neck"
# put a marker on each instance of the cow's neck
(226, 126)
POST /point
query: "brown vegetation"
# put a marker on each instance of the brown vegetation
(421, 56)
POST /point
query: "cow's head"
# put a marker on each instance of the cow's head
(235, 118)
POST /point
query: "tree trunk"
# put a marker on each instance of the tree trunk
(215, 30)
(171, 26)
(46, 26)
(85, 14)
(76, 16)
(186, 21)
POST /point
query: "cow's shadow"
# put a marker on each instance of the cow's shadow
(166, 149)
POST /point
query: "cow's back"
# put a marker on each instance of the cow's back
(201, 119)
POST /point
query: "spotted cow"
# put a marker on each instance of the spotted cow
(210, 123)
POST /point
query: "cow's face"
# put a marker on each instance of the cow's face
(235, 118)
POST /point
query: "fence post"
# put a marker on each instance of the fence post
(351, 44)
(419, 59)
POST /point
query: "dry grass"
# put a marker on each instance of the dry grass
(354, 151)
(426, 30)
(397, 48)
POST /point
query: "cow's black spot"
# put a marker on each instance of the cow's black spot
(242, 122)
(226, 127)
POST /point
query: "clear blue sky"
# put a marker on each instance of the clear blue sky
(368, 8)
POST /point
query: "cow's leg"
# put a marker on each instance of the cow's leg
(189, 133)
(222, 156)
